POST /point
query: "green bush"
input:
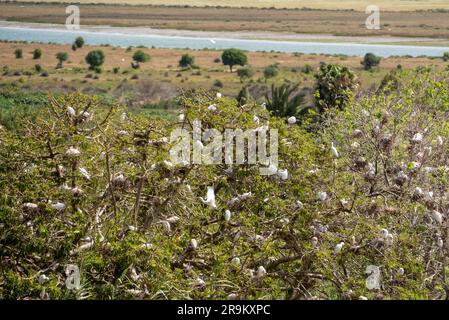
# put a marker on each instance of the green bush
(95, 59)
(270, 72)
(370, 60)
(37, 53)
(18, 53)
(186, 61)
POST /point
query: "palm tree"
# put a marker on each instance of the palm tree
(284, 103)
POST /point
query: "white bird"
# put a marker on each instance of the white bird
(334, 150)
(401, 271)
(261, 272)
(166, 225)
(417, 138)
(43, 278)
(314, 242)
(120, 178)
(233, 296)
(212, 40)
(212, 108)
(363, 298)
(173, 219)
(291, 120)
(299, 205)
(200, 282)
(440, 243)
(210, 198)
(168, 163)
(437, 216)
(181, 117)
(123, 117)
(31, 206)
(122, 133)
(235, 261)
(71, 111)
(227, 215)
(58, 206)
(439, 141)
(384, 233)
(193, 244)
(338, 247)
(418, 192)
(219, 95)
(132, 228)
(322, 196)
(283, 174)
(72, 152)
(84, 173)
(84, 114)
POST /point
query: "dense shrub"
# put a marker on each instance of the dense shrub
(37, 53)
(370, 60)
(186, 61)
(95, 59)
(18, 53)
(367, 192)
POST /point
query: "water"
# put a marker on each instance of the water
(64, 36)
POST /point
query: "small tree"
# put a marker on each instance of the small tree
(19, 53)
(245, 73)
(95, 59)
(61, 56)
(334, 86)
(233, 57)
(79, 42)
(446, 56)
(370, 60)
(186, 61)
(37, 53)
(140, 57)
(270, 72)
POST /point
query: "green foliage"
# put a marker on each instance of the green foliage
(233, 57)
(95, 58)
(79, 42)
(285, 101)
(245, 73)
(141, 56)
(334, 85)
(370, 60)
(186, 61)
(38, 67)
(37, 53)
(130, 224)
(446, 56)
(270, 72)
(18, 53)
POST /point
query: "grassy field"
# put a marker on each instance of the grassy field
(161, 79)
(347, 23)
(360, 5)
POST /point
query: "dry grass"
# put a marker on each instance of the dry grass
(413, 24)
(360, 5)
(163, 67)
